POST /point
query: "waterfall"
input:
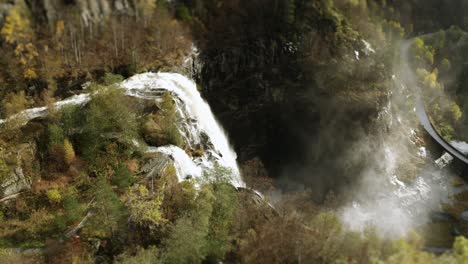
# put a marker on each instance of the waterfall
(195, 121)
(29, 114)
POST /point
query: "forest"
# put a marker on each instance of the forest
(233, 131)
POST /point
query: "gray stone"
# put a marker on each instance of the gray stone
(156, 166)
(464, 216)
(19, 180)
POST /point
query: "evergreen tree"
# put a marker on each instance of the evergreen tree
(187, 242)
(107, 210)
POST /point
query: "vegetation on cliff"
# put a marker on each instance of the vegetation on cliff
(276, 71)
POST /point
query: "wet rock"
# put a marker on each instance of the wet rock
(463, 224)
(464, 216)
(437, 250)
(441, 217)
(455, 231)
(444, 160)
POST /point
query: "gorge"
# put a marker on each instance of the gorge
(214, 131)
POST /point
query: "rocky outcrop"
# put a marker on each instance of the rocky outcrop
(91, 11)
(15, 183)
(156, 166)
(153, 131)
(20, 165)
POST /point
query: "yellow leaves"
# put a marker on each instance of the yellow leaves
(17, 27)
(59, 28)
(397, 28)
(10, 29)
(456, 112)
(429, 79)
(418, 43)
(142, 190)
(27, 53)
(69, 152)
(31, 51)
(146, 7)
(54, 196)
(145, 207)
(29, 74)
(17, 32)
(429, 56)
(460, 249)
(422, 53)
(14, 103)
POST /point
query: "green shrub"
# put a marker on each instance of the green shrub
(110, 78)
(446, 131)
(145, 207)
(204, 231)
(183, 13)
(171, 132)
(73, 210)
(4, 170)
(108, 118)
(55, 135)
(109, 211)
(122, 178)
(70, 119)
(142, 256)
(187, 242)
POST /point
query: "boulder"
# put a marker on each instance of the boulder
(464, 217)
(153, 132)
(15, 183)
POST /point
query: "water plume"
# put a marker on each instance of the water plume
(402, 185)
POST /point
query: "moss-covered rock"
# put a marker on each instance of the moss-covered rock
(159, 128)
(153, 133)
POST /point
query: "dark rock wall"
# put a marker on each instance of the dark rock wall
(292, 94)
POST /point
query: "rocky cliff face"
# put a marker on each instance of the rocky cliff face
(298, 100)
(19, 163)
(90, 11)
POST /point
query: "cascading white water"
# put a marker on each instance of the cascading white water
(32, 113)
(196, 120)
(382, 200)
(196, 123)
